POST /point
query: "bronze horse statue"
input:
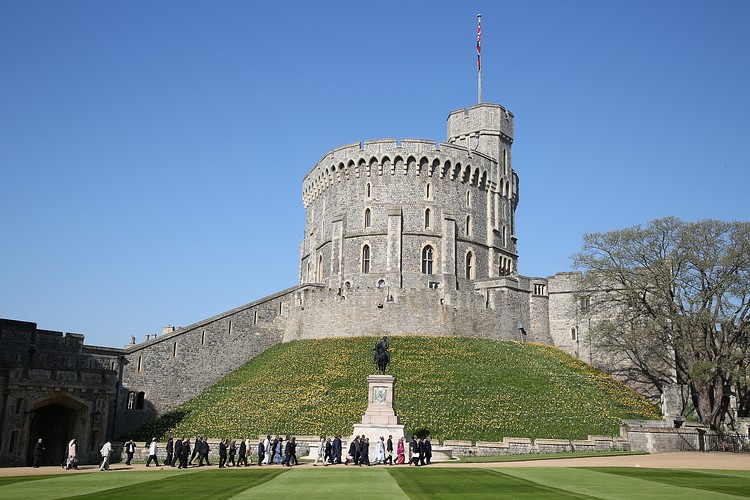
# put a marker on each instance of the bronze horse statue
(382, 357)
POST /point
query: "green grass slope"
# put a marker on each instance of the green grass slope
(452, 387)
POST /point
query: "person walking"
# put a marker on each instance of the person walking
(232, 453)
(427, 450)
(279, 450)
(242, 454)
(72, 461)
(262, 451)
(321, 452)
(105, 452)
(129, 451)
(169, 450)
(337, 449)
(400, 452)
(177, 452)
(268, 450)
(185, 454)
(203, 453)
(152, 451)
(328, 456)
(38, 452)
(222, 453)
(389, 451)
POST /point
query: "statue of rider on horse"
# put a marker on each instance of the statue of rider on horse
(382, 356)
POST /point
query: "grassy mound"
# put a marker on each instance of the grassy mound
(451, 387)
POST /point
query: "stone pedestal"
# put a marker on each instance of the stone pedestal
(380, 419)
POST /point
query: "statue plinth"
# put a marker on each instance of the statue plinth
(379, 419)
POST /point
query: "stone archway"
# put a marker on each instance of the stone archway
(54, 420)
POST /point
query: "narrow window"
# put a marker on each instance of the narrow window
(368, 191)
(19, 405)
(366, 259)
(229, 328)
(139, 400)
(255, 317)
(573, 334)
(203, 337)
(427, 255)
(427, 191)
(468, 225)
(368, 218)
(320, 269)
(468, 198)
(174, 349)
(13, 441)
(140, 363)
(427, 218)
(585, 305)
(470, 265)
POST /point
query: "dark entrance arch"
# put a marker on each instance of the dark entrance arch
(54, 421)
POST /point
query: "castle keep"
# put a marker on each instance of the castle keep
(401, 237)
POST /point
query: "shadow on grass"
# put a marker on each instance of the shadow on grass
(427, 483)
(212, 484)
(701, 480)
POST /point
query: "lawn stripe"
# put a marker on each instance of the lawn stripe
(701, 480)
(330, 482)
(465, 482)
(211, 483)
(599, 484)
(17, 479)
(80, 484)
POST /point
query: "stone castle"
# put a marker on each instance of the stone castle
(401, 237)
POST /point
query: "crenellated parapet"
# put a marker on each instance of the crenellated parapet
(408, 157)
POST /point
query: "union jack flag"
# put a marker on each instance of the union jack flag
(479, 44)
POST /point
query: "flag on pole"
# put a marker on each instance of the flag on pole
(479, 43)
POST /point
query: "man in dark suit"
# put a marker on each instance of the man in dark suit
(222, 453)
(185, 454)
(261, 452)
(170, 450)
(203, 452)
(337, 449)
(177, 452)
(242, 454)
(389, 450)
(196, 449)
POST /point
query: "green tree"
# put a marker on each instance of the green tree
(676, 298)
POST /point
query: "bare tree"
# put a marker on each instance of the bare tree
(676, 296)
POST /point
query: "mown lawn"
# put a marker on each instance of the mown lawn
(379, 482)
(449, 387)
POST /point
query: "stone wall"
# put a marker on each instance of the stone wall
(172, 368)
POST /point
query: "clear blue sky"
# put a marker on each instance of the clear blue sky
(152, 152)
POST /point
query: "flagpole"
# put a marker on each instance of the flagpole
(479, 57)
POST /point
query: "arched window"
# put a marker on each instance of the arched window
(140, 398)
(320, 269)
(427, 218)
(470, 265)
(573, 334)
(366, 259)
(427, 256)
(468, 225)
(368, 218)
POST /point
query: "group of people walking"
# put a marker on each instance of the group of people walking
(181, 453)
